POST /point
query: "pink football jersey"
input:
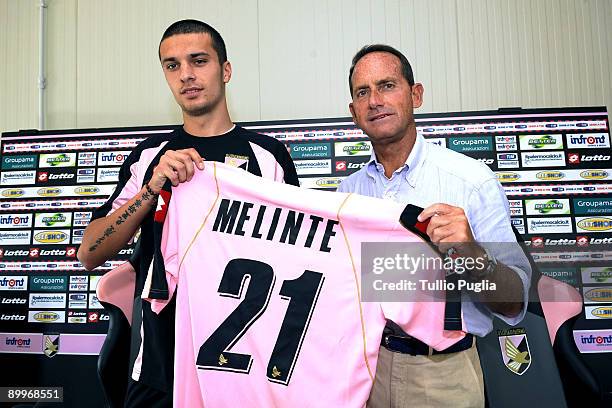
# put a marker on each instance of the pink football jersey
(267, 278)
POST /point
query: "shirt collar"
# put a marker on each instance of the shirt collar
(411, 168)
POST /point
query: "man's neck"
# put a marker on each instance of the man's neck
(209, 124)
(392, 156)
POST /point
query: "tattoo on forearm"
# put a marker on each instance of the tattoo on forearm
(131, 209)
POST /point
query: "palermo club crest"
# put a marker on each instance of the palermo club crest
(514, 349)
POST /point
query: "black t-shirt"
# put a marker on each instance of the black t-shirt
(258, 154)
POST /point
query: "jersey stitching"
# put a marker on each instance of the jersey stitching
(210, 210)
(363, 328)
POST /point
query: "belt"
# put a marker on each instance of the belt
(410, 345)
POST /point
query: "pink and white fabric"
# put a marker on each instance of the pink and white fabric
(267, 278)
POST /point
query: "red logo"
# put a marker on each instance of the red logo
(92, 317)
(573, 158)
(537, 242)
(71, 252)
(1, 252)
(162, 205)
(581, 240)
(340, 166)
(34, 252)
(43, 176)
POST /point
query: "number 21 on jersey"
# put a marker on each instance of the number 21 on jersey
(302, 294)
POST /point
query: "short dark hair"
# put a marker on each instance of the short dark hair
(197, 27)
(367, 49)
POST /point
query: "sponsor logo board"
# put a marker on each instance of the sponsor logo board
(541, 142)
(78, 287)
(106, 175)
(506, 147)
(549, 225)
(48, 283)
(47, 300)
(304, 167)
(19, 162)
(362, 148)
(77, 317)
(46, 316)
(588, 140)
(470, 144)
(593, 341)
(15, 178)
(598, 312)
(310, 150)
(321, 182)
(77, 301)
(13, 283)
(54, 220)
(15, 237)
(551, 206)
(543, 159)
(592, 206)
(595, 295)
(46, 237)
(20, 343)
(57, 160)
(593, 224)
(112, 158)
(10, 221)
(596, 275)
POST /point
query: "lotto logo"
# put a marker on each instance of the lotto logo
(537, 242)
(581, 240)
(43, 176)
(573, 158)
(34, 252)
(92, 317)
(341, 166)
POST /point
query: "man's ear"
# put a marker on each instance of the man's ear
(417, 95)
(227, 72)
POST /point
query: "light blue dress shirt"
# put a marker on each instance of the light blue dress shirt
(433, 174)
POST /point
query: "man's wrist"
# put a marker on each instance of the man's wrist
(150, 191)
(484, 268)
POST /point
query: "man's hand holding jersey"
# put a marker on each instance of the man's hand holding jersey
(106, 236)
(449, 229)
(177, 166)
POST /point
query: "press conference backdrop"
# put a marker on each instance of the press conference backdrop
(554, 165)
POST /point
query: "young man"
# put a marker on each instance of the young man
(194, 62)
(465, 206)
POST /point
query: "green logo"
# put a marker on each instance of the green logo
(48, 283)
(356, 148)
(602, 276)
(470, 144)
(54, 219)
(550, 205)
(59, 159)
(18, 162)
(542, 142)
(592, 206)
(310, 150)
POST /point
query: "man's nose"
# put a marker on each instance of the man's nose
(187, 73)
(375, 99)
